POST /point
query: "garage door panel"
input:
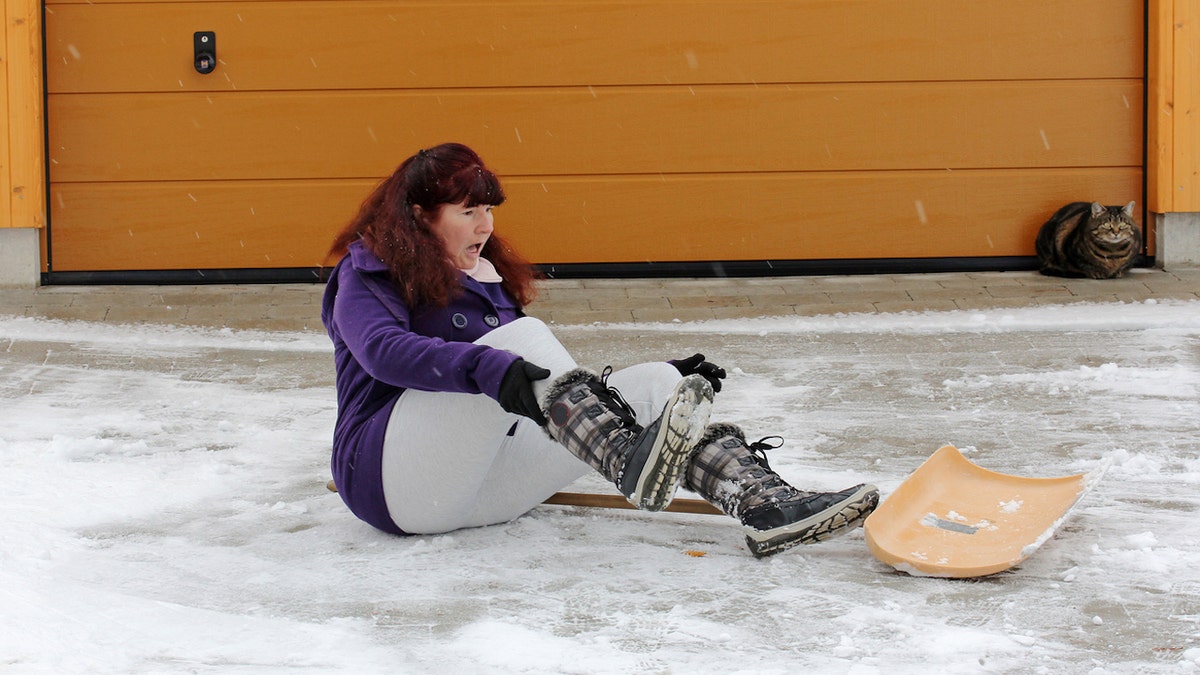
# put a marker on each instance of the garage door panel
(113, 137)
(358, 44)
(208, 225)
(280, 224)
(903, 214)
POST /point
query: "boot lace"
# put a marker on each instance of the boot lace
(772, 483)
(612, 395)
(758, 450)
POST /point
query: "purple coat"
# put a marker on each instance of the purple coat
(381, 347)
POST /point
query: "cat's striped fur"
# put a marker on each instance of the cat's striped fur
(1089, 240)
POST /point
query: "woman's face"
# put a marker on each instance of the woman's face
(463, 230)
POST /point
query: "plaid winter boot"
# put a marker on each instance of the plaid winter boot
(775, 516)
(596, 425)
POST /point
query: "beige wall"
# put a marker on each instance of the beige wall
(22, 149)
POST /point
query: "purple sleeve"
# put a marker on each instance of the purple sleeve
(388, 351)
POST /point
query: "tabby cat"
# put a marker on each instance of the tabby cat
(1089, 240)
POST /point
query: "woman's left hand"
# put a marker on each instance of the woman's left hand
(516, 390)
(696, 365)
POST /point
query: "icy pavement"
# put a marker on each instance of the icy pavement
(165, 509)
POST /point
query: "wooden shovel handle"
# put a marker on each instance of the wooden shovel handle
(619, 502)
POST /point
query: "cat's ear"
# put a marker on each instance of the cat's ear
(1128, 210)
(1097, 209)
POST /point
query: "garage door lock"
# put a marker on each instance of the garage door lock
(204, 50)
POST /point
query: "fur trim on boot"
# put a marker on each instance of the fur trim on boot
(562, 385)
(594, 422)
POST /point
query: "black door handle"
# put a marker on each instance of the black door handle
(204, 51)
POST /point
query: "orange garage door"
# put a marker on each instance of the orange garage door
(627, 133)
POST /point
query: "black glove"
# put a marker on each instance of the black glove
(516, 390)
(696, 365)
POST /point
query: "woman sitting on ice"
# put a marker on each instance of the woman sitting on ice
(456, 410)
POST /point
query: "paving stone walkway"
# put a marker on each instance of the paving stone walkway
(585, 301)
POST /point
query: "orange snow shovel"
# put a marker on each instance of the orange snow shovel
(951, 518)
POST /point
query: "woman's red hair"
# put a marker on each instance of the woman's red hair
(425, 276)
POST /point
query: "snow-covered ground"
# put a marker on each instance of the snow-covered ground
(164, 509)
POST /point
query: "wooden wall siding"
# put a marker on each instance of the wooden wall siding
(1173, 162)
(1187, 106)
(22, 156)
(752, 130)
(5, 125)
